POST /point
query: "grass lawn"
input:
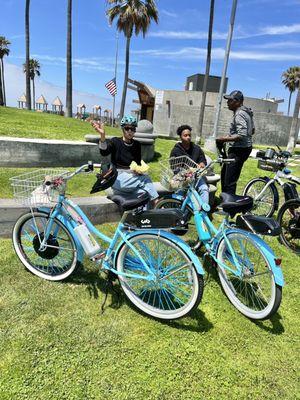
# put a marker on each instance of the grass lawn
(54, 344)
(31, 124)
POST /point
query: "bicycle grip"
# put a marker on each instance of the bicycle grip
(47, 180)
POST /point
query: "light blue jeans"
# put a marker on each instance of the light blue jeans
(131, 184)
(203, 190)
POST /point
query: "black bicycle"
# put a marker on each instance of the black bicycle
(265, 194)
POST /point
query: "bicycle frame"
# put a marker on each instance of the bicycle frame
(70, 214)
(211, 236)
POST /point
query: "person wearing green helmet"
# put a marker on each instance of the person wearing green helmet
(123, 151)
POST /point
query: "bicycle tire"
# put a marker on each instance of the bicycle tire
(267, 205)
(255, 294)
(54, 263)
(175, 292)
(289, 220)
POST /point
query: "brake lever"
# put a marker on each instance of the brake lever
(90, 167)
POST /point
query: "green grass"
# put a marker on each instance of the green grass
(30, 124)
(54, 343)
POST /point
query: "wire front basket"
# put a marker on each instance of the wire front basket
(177, 172)
(30, 189)
(273, 165)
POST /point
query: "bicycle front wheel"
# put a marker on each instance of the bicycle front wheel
(172, 289)
(265, 203)
(57, 260)
(289, 220)
(251, 287)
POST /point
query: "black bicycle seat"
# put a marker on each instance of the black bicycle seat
(129, 203)
(234, 204)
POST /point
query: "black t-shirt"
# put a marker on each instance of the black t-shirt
(194, 152)
(122, 154)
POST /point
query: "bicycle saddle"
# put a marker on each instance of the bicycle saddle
(129, 203)
(233, 203)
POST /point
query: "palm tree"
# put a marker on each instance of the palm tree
(69, 104)
(34, 70)
(208, 59)
(132, 15)
(293, 75)
(288, 79)
(27, 40)
(4, 51)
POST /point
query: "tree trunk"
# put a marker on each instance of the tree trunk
(3, 83)
(290, 96)
(28, 94)
(208, 60)
(1, 87)
(125, 78)
(295, 126)
(69, 103)
(33, 93)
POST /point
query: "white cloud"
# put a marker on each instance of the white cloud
(196, 53)
(239, 33)
(186, 35)
(280, 29)
(84, 64)
(15, 86)
(274, 45)
(168, 13)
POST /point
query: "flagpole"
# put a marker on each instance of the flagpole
(116, 68)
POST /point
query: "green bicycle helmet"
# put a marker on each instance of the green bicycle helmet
(128, 120)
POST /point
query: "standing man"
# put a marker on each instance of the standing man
(240, 139)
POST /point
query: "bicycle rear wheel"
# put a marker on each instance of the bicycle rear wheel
(266, 203)
(174, 289)
(289, 220)
(57, 260)
(253, 291)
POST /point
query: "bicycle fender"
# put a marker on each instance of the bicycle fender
(276, 194)
(70, 228)
(175, 239)
(181, 198)
(268, 252)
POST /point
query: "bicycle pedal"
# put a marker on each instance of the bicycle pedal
(98, 258)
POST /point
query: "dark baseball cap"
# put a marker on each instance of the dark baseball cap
(235, 95)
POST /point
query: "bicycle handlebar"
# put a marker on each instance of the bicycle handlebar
(219, 160)
(89, 167)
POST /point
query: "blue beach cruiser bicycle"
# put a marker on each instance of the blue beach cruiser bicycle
(249, 271)
(157, 271)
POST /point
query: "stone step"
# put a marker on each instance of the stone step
(99, 209)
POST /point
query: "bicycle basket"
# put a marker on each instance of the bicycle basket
(177, 172)
(270, 165)
(30, 190)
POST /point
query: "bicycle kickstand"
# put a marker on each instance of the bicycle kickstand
(109, 284)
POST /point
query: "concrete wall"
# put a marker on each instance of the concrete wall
(17, 152)
(271, 128)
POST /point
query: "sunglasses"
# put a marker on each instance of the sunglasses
(129, 128)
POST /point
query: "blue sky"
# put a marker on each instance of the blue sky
(266, 42)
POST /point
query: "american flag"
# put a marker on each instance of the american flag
(112, 87)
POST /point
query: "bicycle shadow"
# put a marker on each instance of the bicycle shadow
(276, 327)
(97, 286)
(194, 322)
